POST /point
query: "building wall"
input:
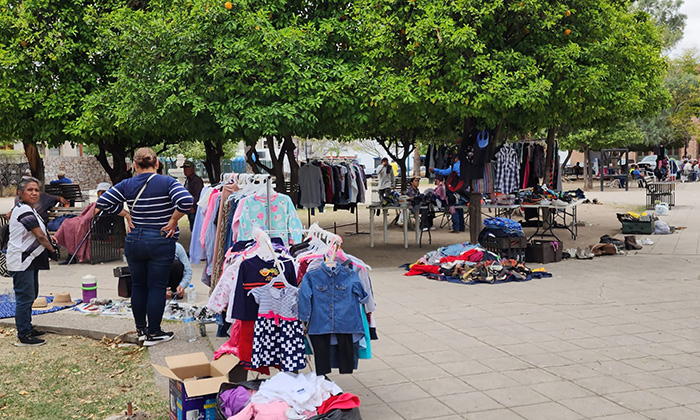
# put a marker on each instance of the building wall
(84, 170)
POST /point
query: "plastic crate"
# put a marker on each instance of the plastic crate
(543, 252)
(641, 228)
(507, 247)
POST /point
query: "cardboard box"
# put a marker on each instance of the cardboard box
(194, 383)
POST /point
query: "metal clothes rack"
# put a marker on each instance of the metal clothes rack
(334, 160)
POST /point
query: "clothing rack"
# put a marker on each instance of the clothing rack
(336, 160)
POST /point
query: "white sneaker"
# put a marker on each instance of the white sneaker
(560, 203)
(545, 202)
(646, 241)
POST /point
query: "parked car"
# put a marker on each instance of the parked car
(648, 162)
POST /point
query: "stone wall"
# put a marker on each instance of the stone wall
(12, 167)
(83, 170)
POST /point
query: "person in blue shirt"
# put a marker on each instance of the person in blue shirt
(457, 213)
(62, 179)
(180, 273)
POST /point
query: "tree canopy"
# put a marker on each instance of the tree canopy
(127, 74)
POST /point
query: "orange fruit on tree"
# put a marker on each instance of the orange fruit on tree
(567, 32)
(568, 13)
(228, 5)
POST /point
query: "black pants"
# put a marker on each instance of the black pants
(176, 272)
(322, 353)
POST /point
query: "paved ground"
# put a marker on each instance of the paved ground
(613, 338)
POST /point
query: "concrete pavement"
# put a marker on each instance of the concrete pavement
(614, 338)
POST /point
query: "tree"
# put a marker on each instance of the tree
(47, 69)
(160, 89)
(666, 14)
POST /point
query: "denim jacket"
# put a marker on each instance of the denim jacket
(329, 300)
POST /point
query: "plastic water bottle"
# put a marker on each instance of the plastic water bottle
(190, 327)
(191, 294)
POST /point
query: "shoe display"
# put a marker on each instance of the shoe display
(631, 243)
(584, 254)
(157, 338)
(29, 341)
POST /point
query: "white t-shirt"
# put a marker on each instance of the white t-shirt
(23, 249)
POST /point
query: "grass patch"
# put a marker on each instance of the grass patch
(75, 378)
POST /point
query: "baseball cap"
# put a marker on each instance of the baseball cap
(188, 164)
(103, 186)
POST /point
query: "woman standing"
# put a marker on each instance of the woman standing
(27, 252)
(156, 203)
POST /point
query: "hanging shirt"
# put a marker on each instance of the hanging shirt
(328, 300)
(254, 272)
(196, 249)
(285, 222)
(311, 186)
(507, 170)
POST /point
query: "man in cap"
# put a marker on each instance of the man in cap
(193, 185)
(62, 179)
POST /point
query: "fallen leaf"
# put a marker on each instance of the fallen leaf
(23, 392)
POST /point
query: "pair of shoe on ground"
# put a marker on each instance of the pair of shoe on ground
(32, 339)
(149, 340)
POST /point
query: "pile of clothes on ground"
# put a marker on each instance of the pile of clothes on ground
(287, 396)
(469, 264)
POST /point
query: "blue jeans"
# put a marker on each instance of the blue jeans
(458, 220)
(149, 255)
(26, 284)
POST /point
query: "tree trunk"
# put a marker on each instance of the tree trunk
(215, 151)
(251, 158)
(587, 169)
(568, 156)
(548, 169)
(117, 171)
(288, 149)
(416, 162)
(277, 169)
(474, 217)
(36, 163)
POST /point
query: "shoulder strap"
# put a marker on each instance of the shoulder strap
(140, 192)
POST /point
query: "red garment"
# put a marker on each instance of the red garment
(73, 230)
(303, 267)
(418, 269)
(340, 401)
(473, 255)
(231, 346)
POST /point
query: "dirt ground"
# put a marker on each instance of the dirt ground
(74, 378)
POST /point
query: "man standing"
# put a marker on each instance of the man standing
(193, 185)
(386, 178)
